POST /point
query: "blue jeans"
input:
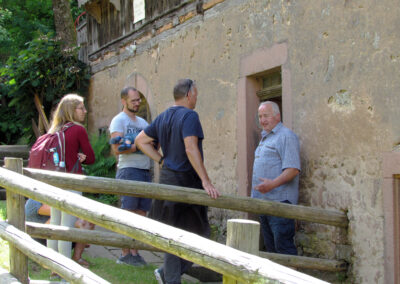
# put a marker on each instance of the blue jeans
(278, 234)
(131, 202)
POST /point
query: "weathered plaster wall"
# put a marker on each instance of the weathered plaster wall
(344, 60)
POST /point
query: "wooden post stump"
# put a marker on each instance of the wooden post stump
(16, 217)
(243, 235)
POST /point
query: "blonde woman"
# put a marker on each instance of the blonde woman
(71, 109)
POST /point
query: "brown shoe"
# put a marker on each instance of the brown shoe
(83, 263)
(55, 276)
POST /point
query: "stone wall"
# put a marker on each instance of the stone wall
(343, 60)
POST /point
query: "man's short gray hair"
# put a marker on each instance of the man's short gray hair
(182, 88)
(274, 105)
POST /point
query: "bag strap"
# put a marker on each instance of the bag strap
(76, 167)
(61, 142)
(67, 125)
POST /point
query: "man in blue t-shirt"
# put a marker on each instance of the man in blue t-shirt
(178, 131)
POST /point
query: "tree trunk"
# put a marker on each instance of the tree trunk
(64, 23)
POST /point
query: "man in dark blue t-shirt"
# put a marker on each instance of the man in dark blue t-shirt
(178, 131)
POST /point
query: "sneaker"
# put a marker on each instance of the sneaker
(123, 259)
(139, 260)
(134, 260)
(159, 276)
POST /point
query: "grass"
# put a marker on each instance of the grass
(117, 273)
(104, 267)
(4, 251)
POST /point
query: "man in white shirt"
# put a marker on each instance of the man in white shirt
(132, 164)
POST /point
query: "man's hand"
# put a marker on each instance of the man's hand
(266, 185)
(286, 176)
(211, 190)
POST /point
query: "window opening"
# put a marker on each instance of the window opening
(271, 87)
(144, 109)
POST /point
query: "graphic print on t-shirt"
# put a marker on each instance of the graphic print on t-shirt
(132, 129)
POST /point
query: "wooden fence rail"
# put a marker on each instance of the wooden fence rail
(188, 195)
(53, 232)
(222, 259)
(48, 258)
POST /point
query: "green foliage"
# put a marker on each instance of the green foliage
(32, 63)
(11, 131)
(22, 21)
(342, 277)
(75, 10)
(3, 210)
(104, 166)
(5, 16)
(110, 199)
(42, 68)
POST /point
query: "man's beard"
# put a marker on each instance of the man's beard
(132, 110)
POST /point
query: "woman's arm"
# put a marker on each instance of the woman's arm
(85, 146)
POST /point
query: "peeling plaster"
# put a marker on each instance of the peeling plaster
(329, 70)
(325, 12)
(341, 102)
(220, 114)
(376, 41)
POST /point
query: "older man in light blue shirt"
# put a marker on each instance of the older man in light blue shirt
(276, 177)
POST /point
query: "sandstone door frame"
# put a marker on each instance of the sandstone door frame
(251, 67)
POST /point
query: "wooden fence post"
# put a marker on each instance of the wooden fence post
(243, 235)
(16, 217)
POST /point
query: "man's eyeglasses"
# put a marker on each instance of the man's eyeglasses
(190, 86)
